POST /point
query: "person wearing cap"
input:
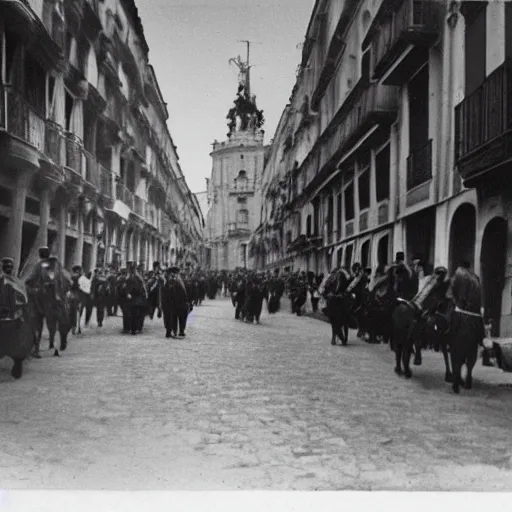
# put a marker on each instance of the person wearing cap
(403, 276)
(122, 298)
(99, 294)
(175, 304)
(7, 293)
(136, 299)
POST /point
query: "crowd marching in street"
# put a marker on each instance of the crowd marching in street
(411, 308)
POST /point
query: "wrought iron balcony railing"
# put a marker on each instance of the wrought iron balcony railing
(20, 119)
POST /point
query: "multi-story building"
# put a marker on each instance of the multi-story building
(87, 164)
(236, 174)
(395, 101)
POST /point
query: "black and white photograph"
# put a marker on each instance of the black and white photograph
(255, 245)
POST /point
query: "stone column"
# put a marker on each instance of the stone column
(11, 243)
(122, 244)
(44, 216)
(79, 247)
(94, 251)
(61, 235)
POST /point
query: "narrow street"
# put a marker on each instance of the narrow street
(238, 406)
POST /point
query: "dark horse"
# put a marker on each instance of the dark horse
(17, 333)
(458, 326)
(48, 295)
(418, 320)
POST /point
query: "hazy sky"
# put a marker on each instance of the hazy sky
(190, 44)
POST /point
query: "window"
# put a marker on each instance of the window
(348, 255)
(241, 157)
(365, 254)
(330, 215)
(69, 104)
(308, 226)
(364, 190)
(339, 212)
(35, 84)
(243, 217)
(288, 237)
(242, 200)
(382, 173)
(241, 181)
(316, 217)
(349, 202)
(365, 64)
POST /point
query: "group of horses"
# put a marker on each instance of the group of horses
(431, 319)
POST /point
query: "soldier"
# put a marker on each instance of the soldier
(175, 304)
(99, 291)
(136, 299)
(7, 292)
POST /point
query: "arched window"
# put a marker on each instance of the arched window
(241, 181)
(243, 217)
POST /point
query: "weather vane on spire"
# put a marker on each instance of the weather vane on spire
(244, 115)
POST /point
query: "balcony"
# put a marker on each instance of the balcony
(90, 170)
(54, 143)
(20, 119)
(139, 206)
(408, 28)
(238, 229)
(242, 188)
(74, 158)
(125, 195)
(105, 176)
(419, 166)
(366, 106)
(483, 127)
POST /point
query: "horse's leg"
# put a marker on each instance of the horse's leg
(448, 375)
(398, 357)
(51, 322)
(406, 360)
(333, 334)
(38, 324)
(17, 369)
(456, 369)
(470, 364)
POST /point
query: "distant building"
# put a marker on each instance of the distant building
(236, 173)
(87, 164)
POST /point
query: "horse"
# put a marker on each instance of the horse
(17, 334)
(415, 320)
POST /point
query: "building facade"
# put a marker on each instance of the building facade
(236, 174)
(87, 164)
(395, 139)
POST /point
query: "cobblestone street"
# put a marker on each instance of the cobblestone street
(238, 406)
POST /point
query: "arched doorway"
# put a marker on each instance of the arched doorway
(492, 263)
(383, 251)
(462, 237)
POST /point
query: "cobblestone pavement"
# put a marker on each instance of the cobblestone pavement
(238, 406)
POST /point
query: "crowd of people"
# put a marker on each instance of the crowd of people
(410, 307)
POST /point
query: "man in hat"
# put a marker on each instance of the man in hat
(175, 304)
(136, 296)
(403, 276)
(7, 292)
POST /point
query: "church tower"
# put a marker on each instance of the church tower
(237, 166)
